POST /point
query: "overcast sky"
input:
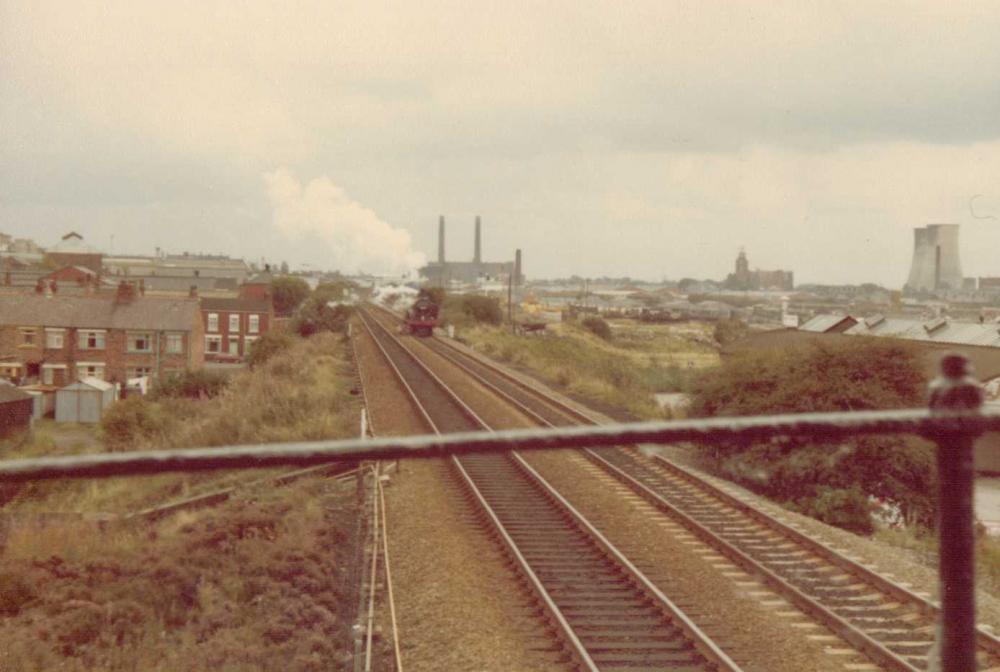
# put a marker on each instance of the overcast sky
(650, 139)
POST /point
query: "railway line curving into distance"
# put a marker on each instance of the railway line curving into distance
(607, 615)
(880, 618)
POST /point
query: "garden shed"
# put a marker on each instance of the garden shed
(16, 409)
(84, 401)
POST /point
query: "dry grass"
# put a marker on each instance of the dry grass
(302, 394)
(640, 361)
(258, 583)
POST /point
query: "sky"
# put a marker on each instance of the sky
(643, 139)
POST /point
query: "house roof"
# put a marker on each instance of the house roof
(98, 312)
(824, 323)
(10, 393)
(943, 331)
(246, 305)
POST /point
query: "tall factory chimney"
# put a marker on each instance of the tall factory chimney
(518, 278)
(935, 258)
(477, 255)
(441, 239)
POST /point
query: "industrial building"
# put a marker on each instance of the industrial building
(935, 259)
(444, 273)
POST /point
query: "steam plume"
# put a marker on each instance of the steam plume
(357, 238)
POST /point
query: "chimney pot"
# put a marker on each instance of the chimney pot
(193, 292)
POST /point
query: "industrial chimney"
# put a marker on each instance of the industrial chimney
(935, 258)
(518, 278)
(477, 255)
(441, 239)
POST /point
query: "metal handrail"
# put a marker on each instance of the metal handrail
(825, 426)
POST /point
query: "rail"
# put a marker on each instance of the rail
(953, 421)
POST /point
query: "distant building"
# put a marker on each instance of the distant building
(744, 279)
(443, 273)
(179, 266)
(72, 251)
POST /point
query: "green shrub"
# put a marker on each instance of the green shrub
(200, 384)
(857, 374)
(482, 309)
(729, 331)
(597, 327)
(315, 316)
(846, 508)
(269, 345)
(131, 423)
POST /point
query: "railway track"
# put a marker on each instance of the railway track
(608, 615)
(888, 623)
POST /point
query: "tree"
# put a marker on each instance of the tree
(315, 316)
(284, 268)
(288, 293)
(829, 480)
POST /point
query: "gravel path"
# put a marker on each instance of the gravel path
(460, 606)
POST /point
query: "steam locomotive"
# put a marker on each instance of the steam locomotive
(422, 316)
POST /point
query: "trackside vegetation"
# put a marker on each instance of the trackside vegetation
(832, 481)
(260, 582)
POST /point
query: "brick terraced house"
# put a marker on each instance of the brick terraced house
(57, 340)
(233, 324)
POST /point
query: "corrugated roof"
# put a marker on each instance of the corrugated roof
(10, 393)
(98, 312)
(823, 323)
(956, 333)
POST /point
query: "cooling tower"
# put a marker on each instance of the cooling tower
(935, 258)
(441, 239)
(477, 254)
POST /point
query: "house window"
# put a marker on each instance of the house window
(54, 339)
(175, 344)
(248, 344)
(53, 374)
(140, 341)
(10, 370)
(90, 370)
(234, 345)
(139, 371)
(234, 323)
(213, 322)
(29, 337)
(254, 324)
(213, 344)
(91, 340)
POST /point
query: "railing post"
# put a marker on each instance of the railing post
(956, 390)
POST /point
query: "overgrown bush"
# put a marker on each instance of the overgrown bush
(269, 345)
(202, 384)
(315, 316)
(859, 374)
(482, 309)
(729, 331)
(131, 423)
(597, 327)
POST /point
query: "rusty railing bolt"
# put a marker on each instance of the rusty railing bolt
(956, 390)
